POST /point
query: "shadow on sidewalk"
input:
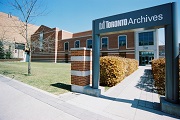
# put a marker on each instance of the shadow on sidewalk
(146, 82)
(152, 107)
(62, 86)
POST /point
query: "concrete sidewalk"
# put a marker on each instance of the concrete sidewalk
(133, 99)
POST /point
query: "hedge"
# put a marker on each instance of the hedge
(114, 69)
(158, 70)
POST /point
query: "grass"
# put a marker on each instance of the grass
(51, 77)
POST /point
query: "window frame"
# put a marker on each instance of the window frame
(107, 43)
(125, 40)
(65, 46)
(147, 42)
(75, 43)
(87, 42)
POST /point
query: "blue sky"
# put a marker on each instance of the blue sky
(77, 15)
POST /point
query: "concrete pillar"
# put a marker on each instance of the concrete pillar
(56, 44)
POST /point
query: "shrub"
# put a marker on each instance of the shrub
(8, 55)
(158, 70)
(132, 66)
(114, 69)
(2, 54)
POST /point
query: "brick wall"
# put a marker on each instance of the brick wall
(47, 53)
(130, 55)
(113, 40)
(80, 34)
(130, 40)
(48, 57)
(71, 42)
(64, 36)
(48, 40)
(81, 66)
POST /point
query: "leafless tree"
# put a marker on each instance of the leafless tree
(28, 9)
(3, 34)
(48, 44)
(3, 37)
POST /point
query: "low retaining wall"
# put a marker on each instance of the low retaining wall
(11, 60)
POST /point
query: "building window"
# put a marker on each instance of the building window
(66, 46)
(89, 43)
(104, 42)
(146, 38)
(122, 40)
(41, 41)
(77, 44)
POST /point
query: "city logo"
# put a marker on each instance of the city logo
(125, 22)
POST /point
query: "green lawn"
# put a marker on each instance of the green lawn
(51, 77)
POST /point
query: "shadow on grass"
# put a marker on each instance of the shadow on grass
(26, 74)
(5, 72)
(62, 86)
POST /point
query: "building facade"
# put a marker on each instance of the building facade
(54, 45)
(146, 46)
(12, 33)
(44, 44)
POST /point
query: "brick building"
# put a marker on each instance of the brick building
(53, 45)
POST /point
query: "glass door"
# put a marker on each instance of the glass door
(145, 57)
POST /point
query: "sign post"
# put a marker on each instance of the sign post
(162, 16)
(172, 59)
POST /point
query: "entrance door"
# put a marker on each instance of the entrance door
(145, 57)
(66, 58)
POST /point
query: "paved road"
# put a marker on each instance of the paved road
(133, 99)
